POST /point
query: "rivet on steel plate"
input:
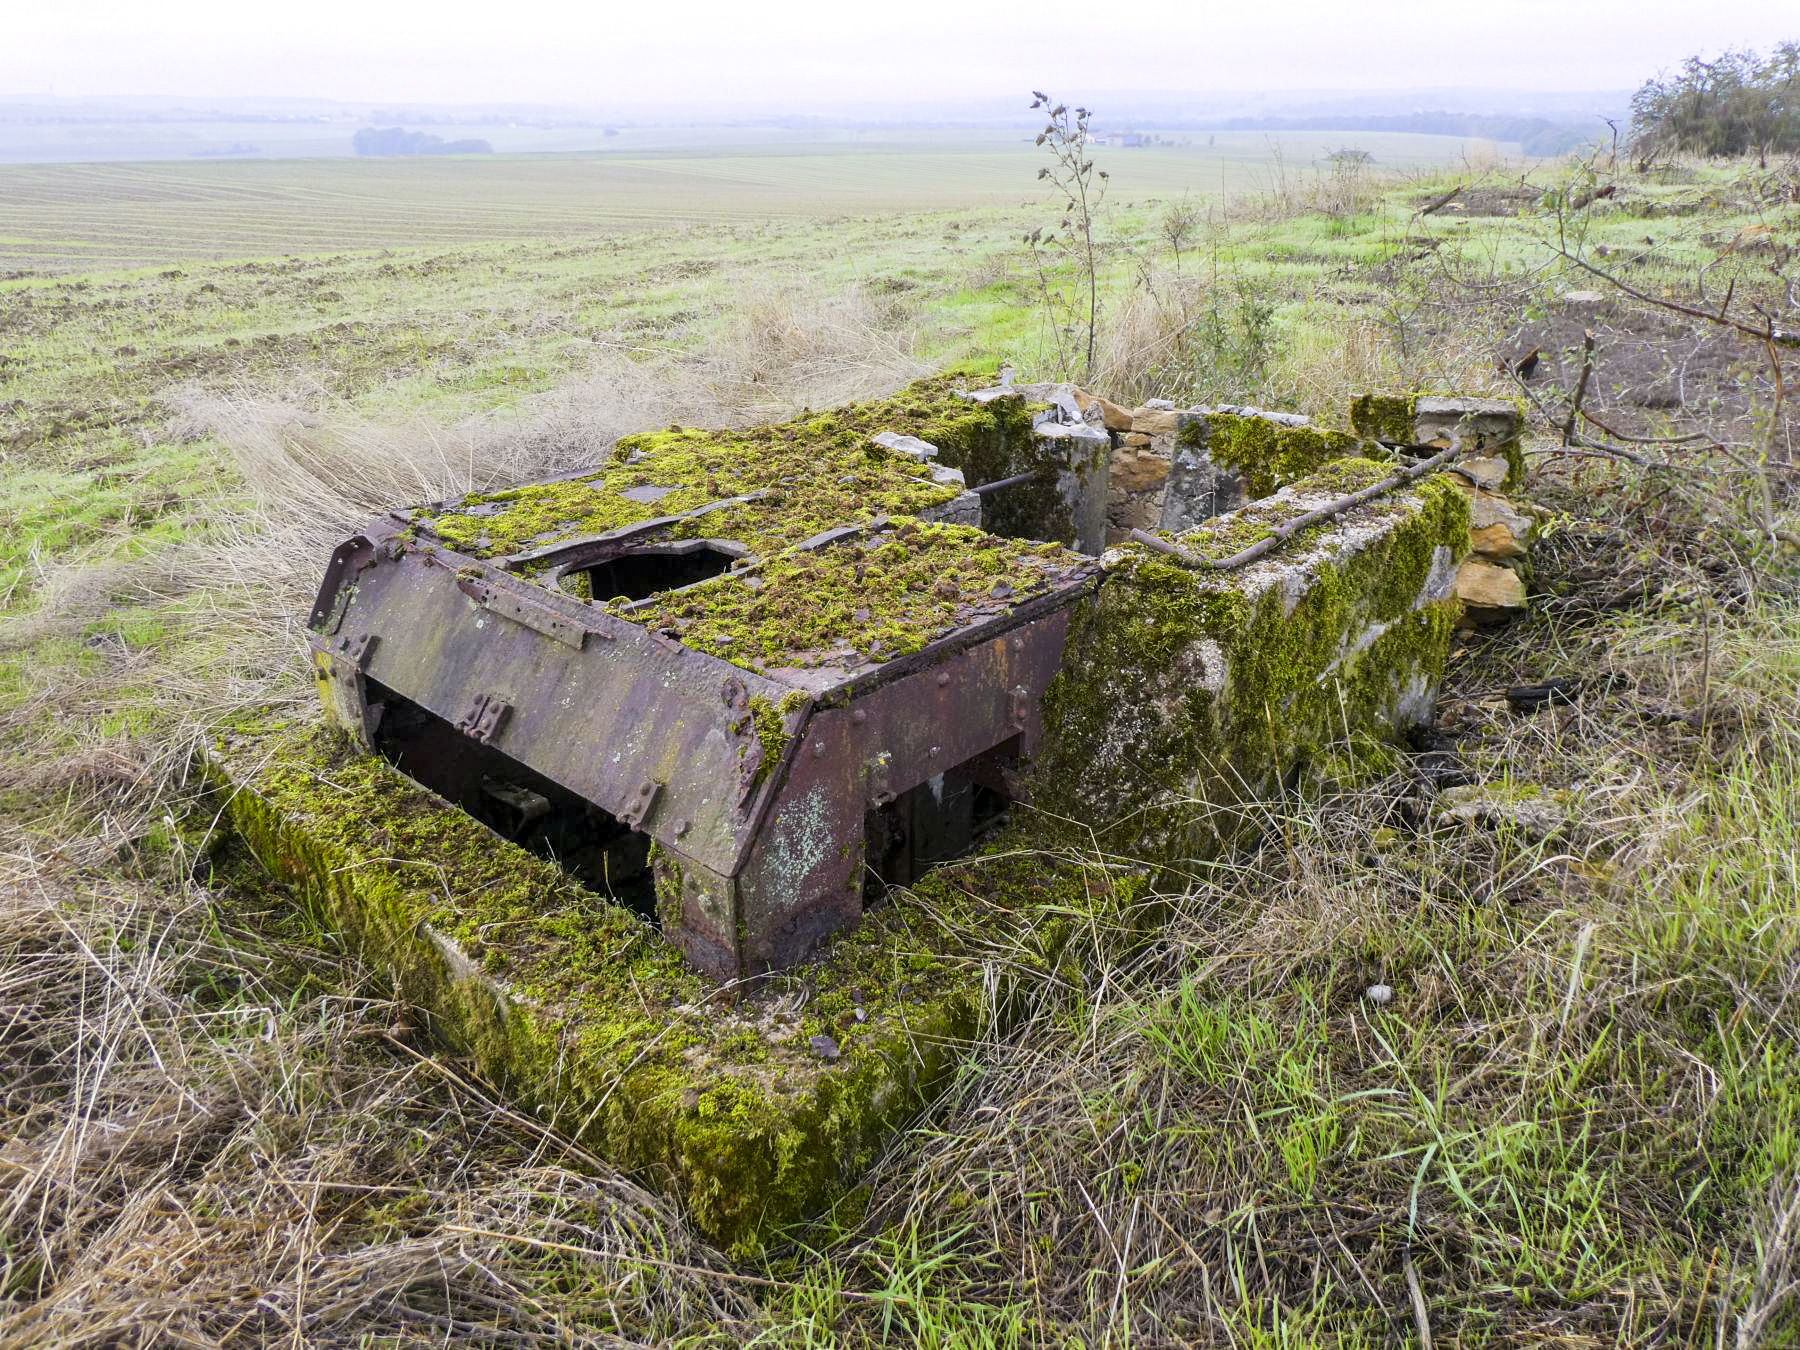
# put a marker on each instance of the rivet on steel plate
(943, 678)
(859, 717)
(818, 748)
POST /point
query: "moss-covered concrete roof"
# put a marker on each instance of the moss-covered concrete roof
(871, 598)
(890, 586)
(808, 474)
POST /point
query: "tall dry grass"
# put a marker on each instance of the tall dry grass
(215, 1136)
(314, 467)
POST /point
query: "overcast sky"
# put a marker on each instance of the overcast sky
(708, 53)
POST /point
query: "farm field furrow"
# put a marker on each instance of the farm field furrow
(79, 216)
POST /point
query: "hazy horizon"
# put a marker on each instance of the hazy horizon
(713, 58)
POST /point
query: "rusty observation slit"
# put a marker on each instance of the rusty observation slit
(514, 801)
(937, 821)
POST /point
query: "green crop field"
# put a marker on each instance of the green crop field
(79, 217)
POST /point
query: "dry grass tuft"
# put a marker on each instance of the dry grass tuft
(232, 596)
(208, 1144)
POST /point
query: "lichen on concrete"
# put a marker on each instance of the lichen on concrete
(1185, 691)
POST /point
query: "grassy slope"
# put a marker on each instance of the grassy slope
(1576, 1116)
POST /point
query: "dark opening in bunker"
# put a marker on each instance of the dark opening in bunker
(939, 820)
(515, 802)
(639, 573)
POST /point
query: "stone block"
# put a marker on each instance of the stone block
(1498, 531)
(1489, 593)
(1112, 416)
(1153, 421)
(1138, 472)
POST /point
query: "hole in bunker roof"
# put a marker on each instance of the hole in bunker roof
(639, 573)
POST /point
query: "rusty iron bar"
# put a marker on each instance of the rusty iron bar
(1298, 523)
(999, 484)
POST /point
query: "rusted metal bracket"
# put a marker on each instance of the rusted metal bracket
(355, 651)
(486, 716)
(351, 558)
(341, 665)
(763, 832)
(641, 804)
(523, 609)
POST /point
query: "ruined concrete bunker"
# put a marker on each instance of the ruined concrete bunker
(746, 677)
(607, 690)
(746, 680)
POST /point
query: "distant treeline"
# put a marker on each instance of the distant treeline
(1536, 135)
(399, 141)
(1739, 104)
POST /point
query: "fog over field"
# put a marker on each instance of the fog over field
(103, 80)
(712, 56)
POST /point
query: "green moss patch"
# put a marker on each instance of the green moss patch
(1184, 691)
(1384, 417)
(754, 1107)
(878, 596)
(815, 472)
(1267, 455)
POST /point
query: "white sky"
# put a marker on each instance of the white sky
(709, 53)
